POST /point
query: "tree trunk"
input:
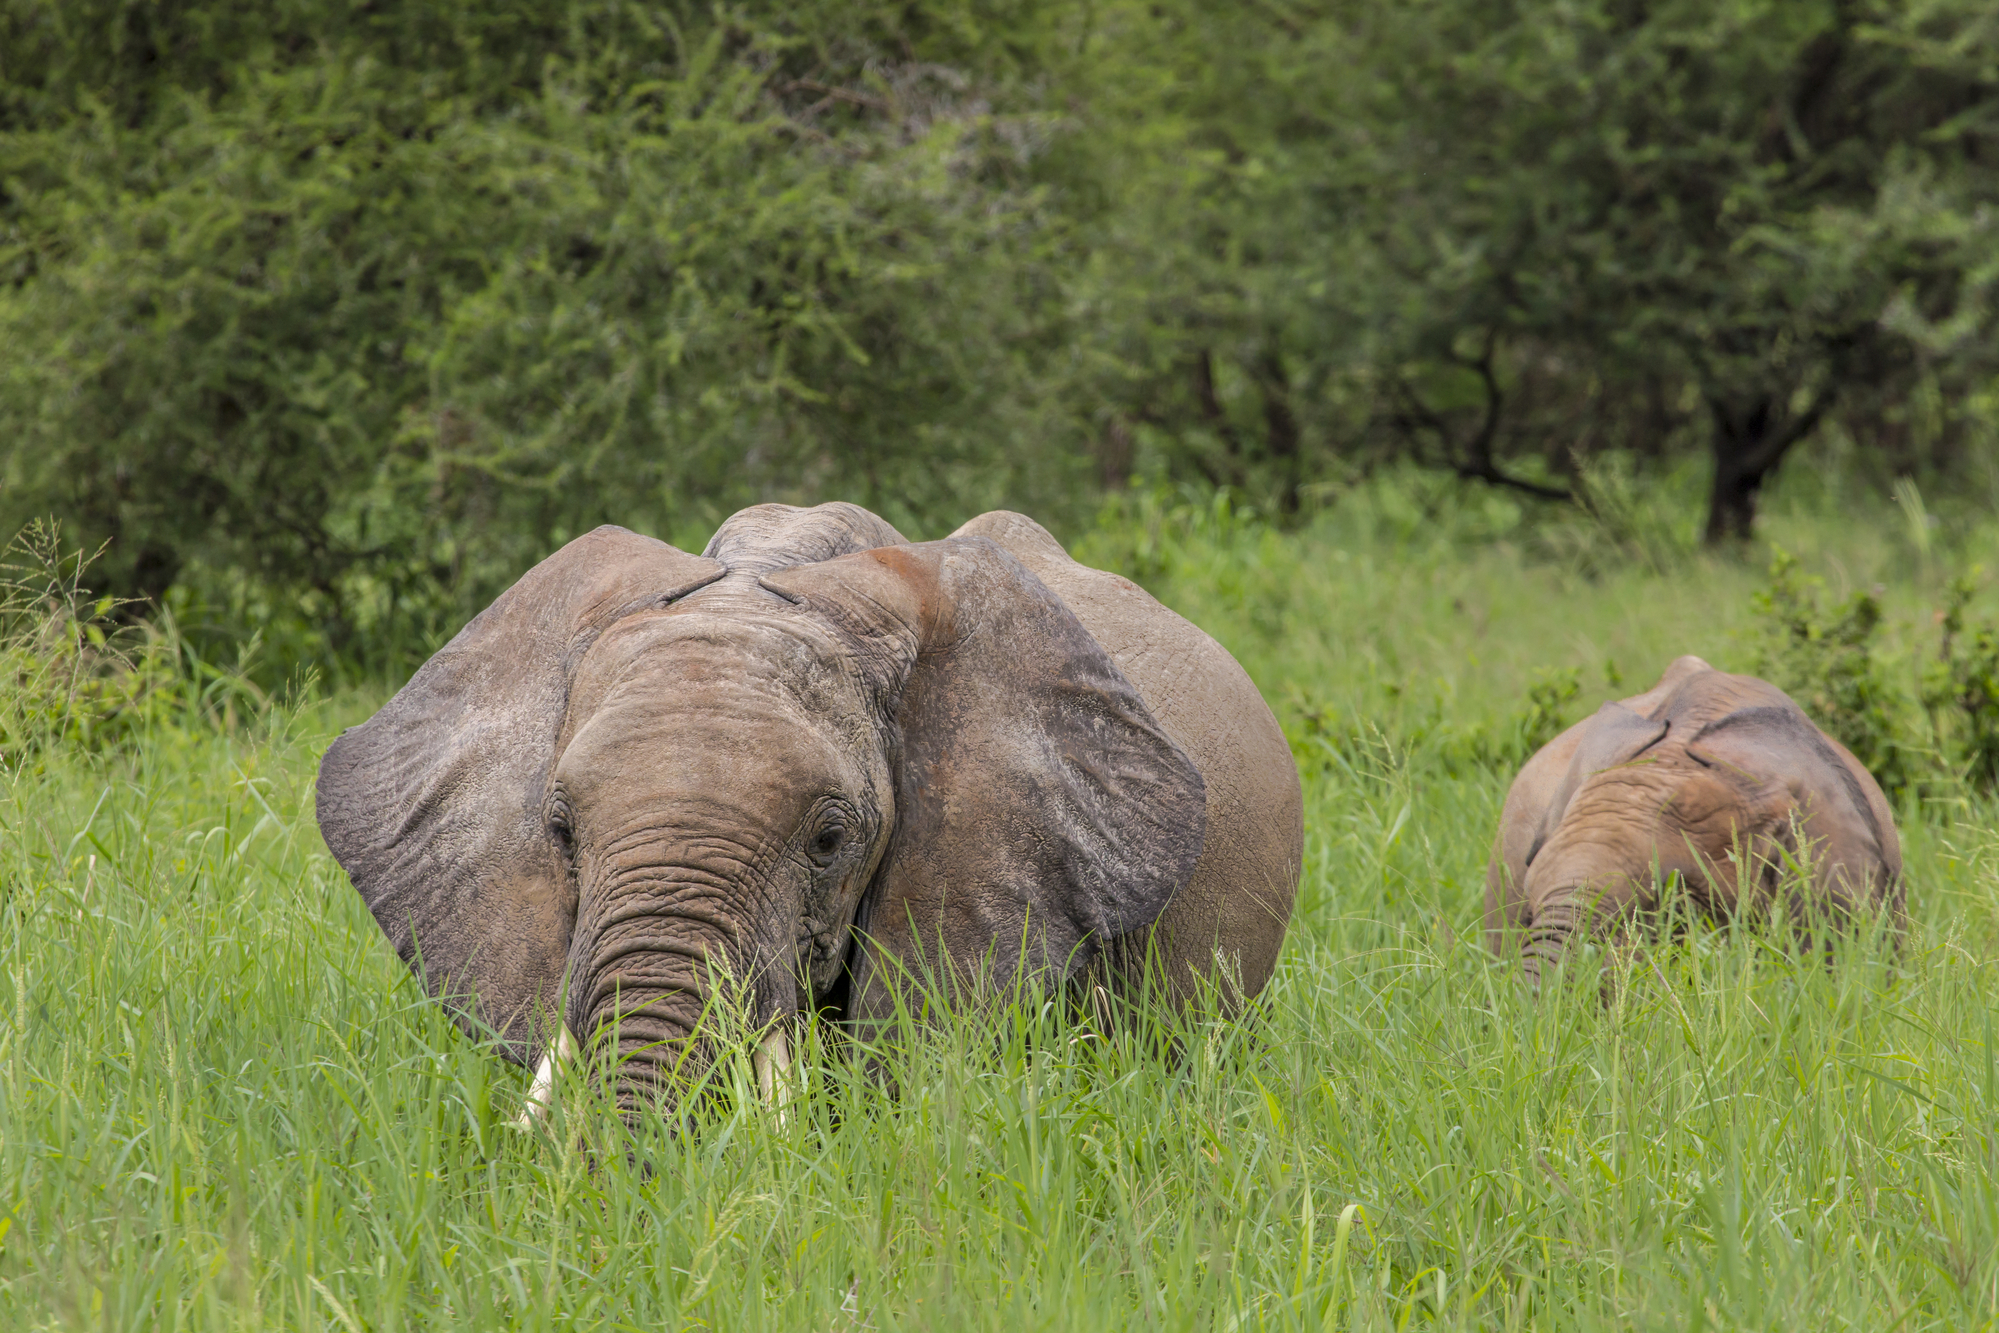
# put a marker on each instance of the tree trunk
(1217, 417)
(1751, 436)
(1731, 506)
(1280, 426)
(1115, 454)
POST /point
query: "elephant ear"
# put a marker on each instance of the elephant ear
(1770, 739)
(1616, 735)
(1041, 810)
(435, 805)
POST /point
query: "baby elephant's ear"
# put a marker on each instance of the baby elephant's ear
(1616, 735)
(1040, 809)
(435, 804)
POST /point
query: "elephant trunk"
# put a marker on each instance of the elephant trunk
(660, 966)
(1579, 883)
(1549, 929)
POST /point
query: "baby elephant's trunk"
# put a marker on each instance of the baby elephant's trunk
(1579, 887)
(1548, 933)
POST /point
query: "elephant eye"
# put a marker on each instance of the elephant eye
(828, 841)
(561, 829)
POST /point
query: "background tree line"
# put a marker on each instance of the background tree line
(333, 316)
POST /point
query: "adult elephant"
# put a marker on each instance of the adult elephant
(809, 762)
(1716, 783)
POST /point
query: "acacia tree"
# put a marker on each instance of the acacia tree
(341, 316)
(1766, 200)
(1501, 234)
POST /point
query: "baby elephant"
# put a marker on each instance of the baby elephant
(1719, 779)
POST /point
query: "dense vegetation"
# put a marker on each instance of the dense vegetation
(223, 1104)
(334, 316)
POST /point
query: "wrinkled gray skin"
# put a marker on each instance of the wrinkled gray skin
(1719, 779)
(639, 770)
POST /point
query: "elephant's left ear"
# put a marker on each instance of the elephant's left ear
(1040, 809)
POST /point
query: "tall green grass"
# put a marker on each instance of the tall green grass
(223, 1105)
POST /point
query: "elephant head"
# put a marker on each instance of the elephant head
(641, 774)
(1713, 782)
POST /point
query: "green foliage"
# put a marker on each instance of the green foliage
(1685, 223)
(1360, 749)
(1625, 513)
(1829, 660)
(351, 329)
(334, 319)
(1547, 714)
(1874, 689)
(73, 674)
(1961, 688)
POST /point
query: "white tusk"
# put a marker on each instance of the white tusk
(541, 1093)
(772, 1063)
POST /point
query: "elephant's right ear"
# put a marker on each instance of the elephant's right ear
(1616, 735)
(435, 804)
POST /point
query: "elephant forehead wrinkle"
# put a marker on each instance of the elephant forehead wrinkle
(694, 845)
(680, 694)
(652, 887)
(770, 629)
(1708, 696)
(708, 763)
(649, 924)
(774, 654)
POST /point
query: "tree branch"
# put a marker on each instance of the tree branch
(1476, 462)
(1776, 446)
(1493, 475)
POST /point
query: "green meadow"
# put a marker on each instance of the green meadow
(224, 1105)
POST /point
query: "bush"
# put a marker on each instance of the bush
(1927, 726)
(1324, 741)
(1829, 660)
(75, 672)
(1961, 688)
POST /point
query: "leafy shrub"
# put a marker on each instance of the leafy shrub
(1829, 659)
(1147, 531)
(1325, 741)
(1961, 688)
(1547, 713)
(74, 671)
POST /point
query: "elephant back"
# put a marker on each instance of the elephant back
(1238, 900)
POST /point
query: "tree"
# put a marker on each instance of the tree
(337, 318)
(1724, 192)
